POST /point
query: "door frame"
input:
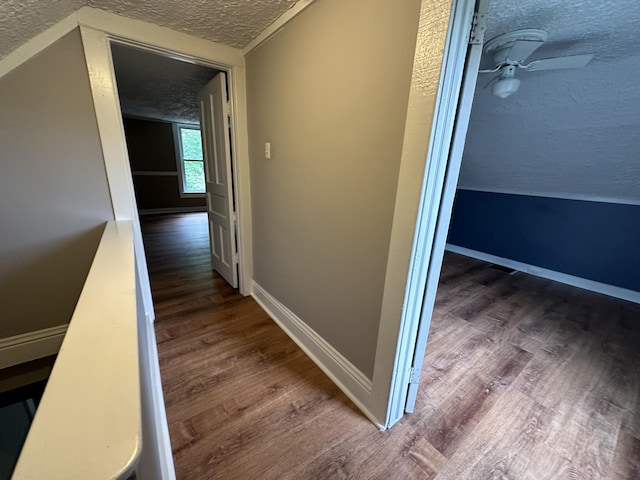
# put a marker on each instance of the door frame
(97, 43)
(448, 193)
(436, 192)
(396, 336)
(98, 29)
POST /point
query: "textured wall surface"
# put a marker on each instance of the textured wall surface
(54, 197)
(569, 132)
(231, 22)
(592, 240)
(322, 205)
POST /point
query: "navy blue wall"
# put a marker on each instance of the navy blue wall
(593, 240)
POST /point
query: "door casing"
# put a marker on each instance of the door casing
(98, 53)
(432, 192)
(396, 338)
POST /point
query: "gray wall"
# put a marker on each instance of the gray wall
(54, 197)
(330, 93)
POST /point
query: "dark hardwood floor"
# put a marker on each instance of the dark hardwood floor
(524, 379)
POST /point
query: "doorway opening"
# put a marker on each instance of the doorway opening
(503, 342)
(178, 168)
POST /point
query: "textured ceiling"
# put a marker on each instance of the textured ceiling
(20, 20)
(569, 132)
(564, 133)
(231, 22)
(153, 86)
(607, 28)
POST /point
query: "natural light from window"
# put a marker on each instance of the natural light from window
(192, 160)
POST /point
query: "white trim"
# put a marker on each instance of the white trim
(560, 196)
(160, 39)
(114, 147)
(280, 22)
(156, 460)
(605, 289)
(163, 439)
(107, 109)
(155, 211)
(438, 210)
(31, 346)
(422, 189)
(183, 47)
(38, 43)
(355, 384)
(179, 154)
(237, 91)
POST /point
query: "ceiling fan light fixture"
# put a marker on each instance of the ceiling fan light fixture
(505, 87)
(512, 50)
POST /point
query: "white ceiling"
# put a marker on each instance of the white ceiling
(231, 22)
(569, 132)
(153, 86)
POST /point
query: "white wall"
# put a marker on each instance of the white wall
(54, 197)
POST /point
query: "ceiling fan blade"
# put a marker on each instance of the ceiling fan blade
(522, 49)
(557, 63)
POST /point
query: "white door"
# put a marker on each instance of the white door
(472, 65)
(214, 124)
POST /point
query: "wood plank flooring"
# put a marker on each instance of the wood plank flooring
(524, 379)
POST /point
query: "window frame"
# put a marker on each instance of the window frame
(177, 141)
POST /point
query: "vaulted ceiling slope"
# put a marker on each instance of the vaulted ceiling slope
(231, 22)
(565, 133)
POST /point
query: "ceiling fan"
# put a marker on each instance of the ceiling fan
(511, 50)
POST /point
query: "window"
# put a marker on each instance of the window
(191, 163)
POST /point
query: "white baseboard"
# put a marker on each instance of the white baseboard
(579, 282)
(31, 346)
(354, 384)
(156, 460)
